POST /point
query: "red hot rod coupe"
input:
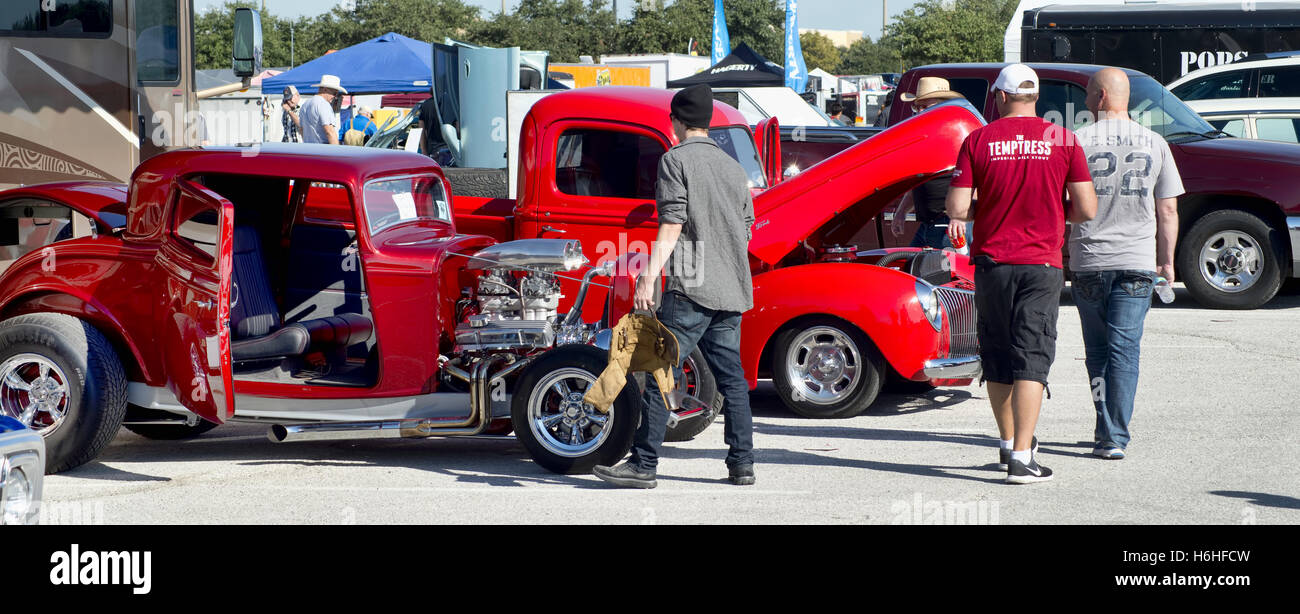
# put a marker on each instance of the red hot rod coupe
(334, 292)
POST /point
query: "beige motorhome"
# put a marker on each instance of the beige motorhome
(89, 88)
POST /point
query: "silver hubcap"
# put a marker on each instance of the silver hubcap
(560, 420)
(1230, 261)
(34, 391)
(823, 365)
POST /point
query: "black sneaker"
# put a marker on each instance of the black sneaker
(626, 475)
(1004, 456)
(1020, 473)
(741, 475)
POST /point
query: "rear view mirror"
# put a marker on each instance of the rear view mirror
(247, 54)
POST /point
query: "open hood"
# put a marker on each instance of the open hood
(863, 178)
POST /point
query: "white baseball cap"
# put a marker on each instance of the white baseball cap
(1013, 75)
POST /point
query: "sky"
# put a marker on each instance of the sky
(825, 14)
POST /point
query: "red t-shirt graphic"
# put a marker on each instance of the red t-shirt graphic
(1019, 167)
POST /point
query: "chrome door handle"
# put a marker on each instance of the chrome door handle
(553, 229)
(205, 304)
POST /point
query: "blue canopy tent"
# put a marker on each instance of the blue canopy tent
(389, 64)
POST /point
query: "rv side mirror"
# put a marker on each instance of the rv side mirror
(247, 53)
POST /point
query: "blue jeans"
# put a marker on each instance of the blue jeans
(931, 235)
(717, 333)
(1112, 307)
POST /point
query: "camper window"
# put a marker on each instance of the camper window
(75, 18)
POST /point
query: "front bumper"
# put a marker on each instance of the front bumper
(963, 367)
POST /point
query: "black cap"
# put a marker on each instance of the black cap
(694, 106)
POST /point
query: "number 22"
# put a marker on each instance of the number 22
(1127, 186)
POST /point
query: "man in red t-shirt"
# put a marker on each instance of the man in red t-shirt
(1022, 166)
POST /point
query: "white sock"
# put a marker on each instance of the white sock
(1024, 456)
(1006, 444)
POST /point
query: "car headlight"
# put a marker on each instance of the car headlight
(929, 304)
(17, 503)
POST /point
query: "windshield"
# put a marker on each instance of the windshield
(739, 144)
(1153, 106)
(392, 201)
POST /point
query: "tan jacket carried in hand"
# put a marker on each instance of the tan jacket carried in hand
(639, 343)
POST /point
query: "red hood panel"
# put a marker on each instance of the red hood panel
(795, 209)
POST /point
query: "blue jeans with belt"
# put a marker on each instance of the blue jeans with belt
(1112, 307)
(717, 334)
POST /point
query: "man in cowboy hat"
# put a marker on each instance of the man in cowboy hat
(929, 197)
(320, 120)
(929, 92)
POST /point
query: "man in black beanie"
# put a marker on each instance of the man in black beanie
(702, 250)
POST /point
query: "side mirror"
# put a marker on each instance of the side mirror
(247, 55)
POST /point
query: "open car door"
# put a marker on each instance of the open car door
(196, 257)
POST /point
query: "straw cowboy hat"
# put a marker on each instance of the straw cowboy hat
(930, 88)
(332, 82)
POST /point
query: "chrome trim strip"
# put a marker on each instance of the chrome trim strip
(1293, 229)
(965, 367)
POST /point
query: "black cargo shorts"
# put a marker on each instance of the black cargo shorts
(1018, 305)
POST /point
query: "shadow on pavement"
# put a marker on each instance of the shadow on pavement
(1261, 499)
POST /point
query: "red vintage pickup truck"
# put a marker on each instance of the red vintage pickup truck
(336, 292)
(828, 326)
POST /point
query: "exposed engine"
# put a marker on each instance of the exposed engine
(518, 296)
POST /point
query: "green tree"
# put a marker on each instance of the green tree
(425, 20)
(565, 28)
(819, 51)
(214, 32)
(757, 23)
(935, 31)
(865, 57)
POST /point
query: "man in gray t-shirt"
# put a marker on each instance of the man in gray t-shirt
(319, 117)
(1117, 256)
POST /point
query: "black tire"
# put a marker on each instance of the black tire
(95, 398)
(571, 363)
(163, 432)
(702, 385)
(847, 399)
(1259, 238)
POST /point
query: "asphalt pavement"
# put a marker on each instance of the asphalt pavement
(1215, 441)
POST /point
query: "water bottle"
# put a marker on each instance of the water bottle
(1164, 290)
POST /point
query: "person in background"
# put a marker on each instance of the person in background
(292, 101)
(320, 120)
(837, 114)
(431, 135)
(1022, 166)
(1116, 257)
(928, 198)
(361, 127)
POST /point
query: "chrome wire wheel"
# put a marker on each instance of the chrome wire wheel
(823, 365)
(560, 420)
(1230, 261)
(34, 391)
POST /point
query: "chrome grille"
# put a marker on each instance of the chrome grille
(960, 306)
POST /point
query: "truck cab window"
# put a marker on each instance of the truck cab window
(607, 163)
(739, 144)
(157, 43)
(1232, 127)
(1064, 104)
(1277, 128)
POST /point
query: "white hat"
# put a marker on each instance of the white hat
(332, 82)
(1013, 75)
(365, 110)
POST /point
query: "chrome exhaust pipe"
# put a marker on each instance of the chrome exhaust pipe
(480, 414)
